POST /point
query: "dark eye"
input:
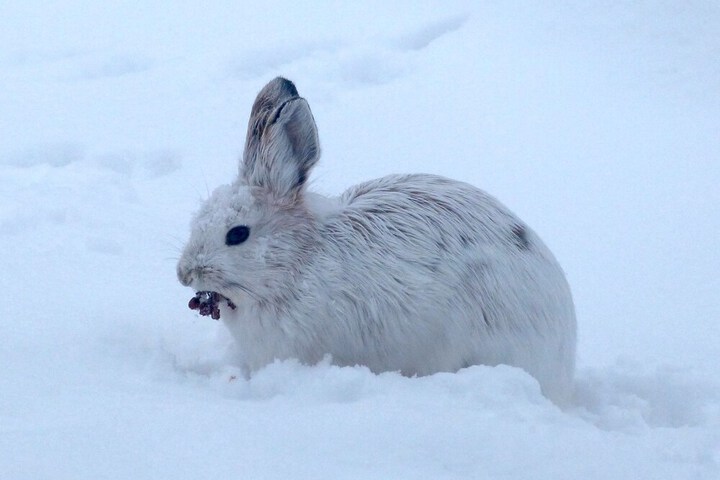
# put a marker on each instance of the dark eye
(237, 235)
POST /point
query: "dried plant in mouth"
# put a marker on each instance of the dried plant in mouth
(207, 304)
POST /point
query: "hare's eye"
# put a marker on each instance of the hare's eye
(237, 235)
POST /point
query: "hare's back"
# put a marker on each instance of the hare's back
(428, 209)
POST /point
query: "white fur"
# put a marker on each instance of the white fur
(412, 273)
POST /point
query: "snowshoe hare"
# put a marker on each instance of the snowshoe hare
(411, 273)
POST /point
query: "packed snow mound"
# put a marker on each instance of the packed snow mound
(173, 409)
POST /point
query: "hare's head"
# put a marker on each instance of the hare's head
(252, 235)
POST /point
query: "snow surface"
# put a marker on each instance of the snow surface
(598, 124)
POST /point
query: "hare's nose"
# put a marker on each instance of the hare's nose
(185, 275)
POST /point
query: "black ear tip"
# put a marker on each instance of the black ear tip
(285, 86)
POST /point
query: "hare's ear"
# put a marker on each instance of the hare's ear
(282, 143)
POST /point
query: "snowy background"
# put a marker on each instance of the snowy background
(599, 125)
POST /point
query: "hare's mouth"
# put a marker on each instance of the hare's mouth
(208, 303)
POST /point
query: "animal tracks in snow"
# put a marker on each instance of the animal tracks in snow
(360, 62)
(422, 37)
(52, 154)
(55, 189)
(75, 65)
(263, 61)
(115, 66)
(151, 164)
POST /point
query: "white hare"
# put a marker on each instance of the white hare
(410, 273)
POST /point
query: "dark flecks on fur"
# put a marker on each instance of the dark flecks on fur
(486, 319)
(520, 237)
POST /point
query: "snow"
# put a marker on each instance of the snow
(596, 123)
